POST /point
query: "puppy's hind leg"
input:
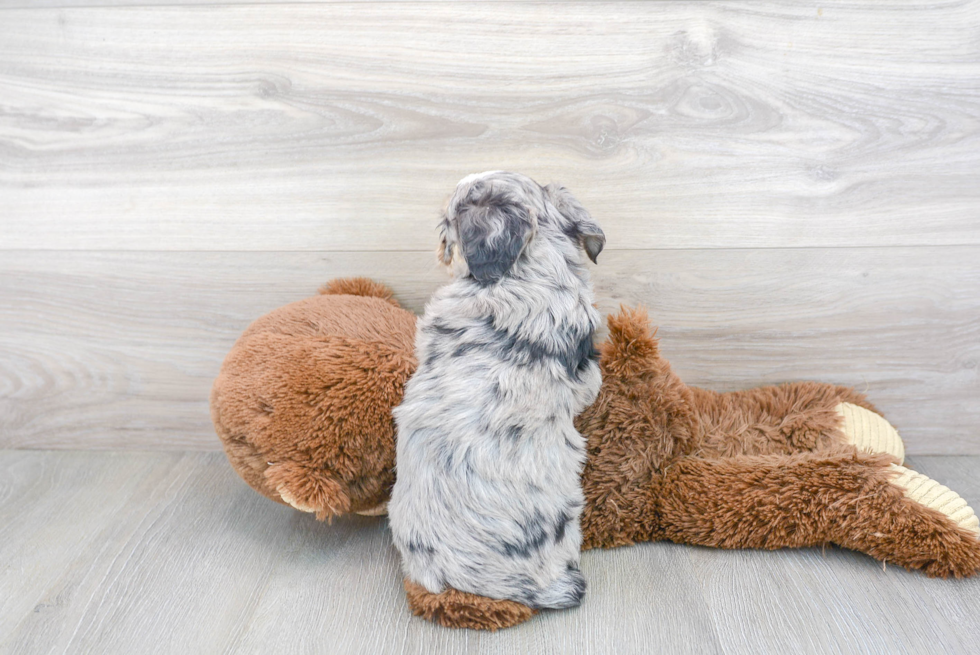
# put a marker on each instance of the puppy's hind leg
(565, 592)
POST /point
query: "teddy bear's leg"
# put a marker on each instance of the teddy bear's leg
(858, 501)
(791, 418)
(317, 491)
(458, 609)
(869, 432)
(929, 493)
(308, 489)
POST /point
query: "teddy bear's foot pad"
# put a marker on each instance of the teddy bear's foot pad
(295, 503)
(292, 501)
(379, 510)
(458, 609)
(308, 489)
(931, 494)
(869, 432)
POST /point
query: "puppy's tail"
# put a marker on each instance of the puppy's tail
(359, 286)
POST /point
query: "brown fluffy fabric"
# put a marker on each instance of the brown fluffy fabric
(310, 388)
(303, 401)
(458, 609)
(646, 419)
(793, 501)
(359, 286)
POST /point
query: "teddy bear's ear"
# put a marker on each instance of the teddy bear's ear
(580, 224)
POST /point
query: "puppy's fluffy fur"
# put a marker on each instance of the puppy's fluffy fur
(487, 498)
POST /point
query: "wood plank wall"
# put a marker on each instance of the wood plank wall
(792, 190)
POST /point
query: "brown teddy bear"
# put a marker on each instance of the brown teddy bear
(303, 406)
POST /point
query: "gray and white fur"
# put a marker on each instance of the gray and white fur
(488, 495)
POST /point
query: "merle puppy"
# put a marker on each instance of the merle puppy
(488, 497)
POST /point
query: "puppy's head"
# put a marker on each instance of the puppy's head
(492, 217)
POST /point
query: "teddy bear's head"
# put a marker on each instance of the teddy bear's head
(303, 400)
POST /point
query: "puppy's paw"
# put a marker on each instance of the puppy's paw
(931, 494)
(869, 432)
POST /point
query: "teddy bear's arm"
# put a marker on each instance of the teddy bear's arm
(639, 388)
(858, 501)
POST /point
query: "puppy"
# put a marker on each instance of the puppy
(487, 497)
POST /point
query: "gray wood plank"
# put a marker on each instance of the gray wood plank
(958, 603)
(145, 583)
(833, 602)
(199, 563)
(172, 553)
(340, 126)
(826, 601)
(54, 509)
(118, 350)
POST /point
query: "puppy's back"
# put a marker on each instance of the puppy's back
(488, 497)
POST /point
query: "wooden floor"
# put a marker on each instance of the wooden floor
(171, 553)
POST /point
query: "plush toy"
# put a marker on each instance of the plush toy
(303, 406)
(303, 401)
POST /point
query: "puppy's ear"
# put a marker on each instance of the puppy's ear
(581, 225)
(447, 241)
(492, 232)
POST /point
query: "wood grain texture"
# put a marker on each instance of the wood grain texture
(88, 4)
(118, 350)
(342, 126)
(172, 553)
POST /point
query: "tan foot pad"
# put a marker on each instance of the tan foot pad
(290, 500)
(928, 492)
(380, 510)
(870, 432)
